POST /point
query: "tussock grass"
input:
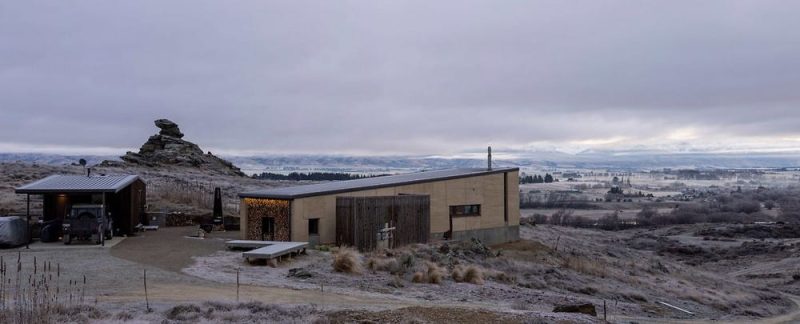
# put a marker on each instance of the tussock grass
(473, 275)
(347, 260)
(435, 273)
(457, 274)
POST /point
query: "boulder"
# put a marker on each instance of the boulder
(168, 128)
(300, 273)
(587, 309)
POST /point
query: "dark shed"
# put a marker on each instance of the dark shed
(123, 195)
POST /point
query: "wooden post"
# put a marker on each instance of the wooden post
(237, 285)
(557, 239)
(146, 300)
(604, 310)
(102, 235)
(28, 223)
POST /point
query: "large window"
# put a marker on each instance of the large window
(313, 226)
(465, 210)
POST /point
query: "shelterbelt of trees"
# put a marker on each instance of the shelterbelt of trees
(312, 176)
(536, 179)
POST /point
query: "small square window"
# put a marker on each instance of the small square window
(313, 226)
(465, 210)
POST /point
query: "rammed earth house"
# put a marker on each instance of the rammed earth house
(390, 210)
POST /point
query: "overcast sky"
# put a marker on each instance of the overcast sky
(398, 77)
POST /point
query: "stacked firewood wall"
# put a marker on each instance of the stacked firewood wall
(258, 208)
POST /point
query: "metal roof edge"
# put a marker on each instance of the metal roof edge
(25, 186)
(254, 194)
(131, 178)
(127, 181)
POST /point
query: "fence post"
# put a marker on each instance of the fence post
(146, 300)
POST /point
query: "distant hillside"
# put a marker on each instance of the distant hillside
(53, 159)
(396, 164)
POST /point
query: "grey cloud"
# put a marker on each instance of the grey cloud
(402, 77)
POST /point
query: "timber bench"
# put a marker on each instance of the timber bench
(271, 251)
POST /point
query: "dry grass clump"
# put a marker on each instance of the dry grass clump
(457, 274)
(435, 273)
(473, 275)
(373, 264)
(347, 260)
(389, 265)
(249, 312)
(418, 277)
(470, 274)
(584, 266)
(184, 312)
(504, 277)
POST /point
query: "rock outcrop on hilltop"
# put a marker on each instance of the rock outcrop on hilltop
(168, 148)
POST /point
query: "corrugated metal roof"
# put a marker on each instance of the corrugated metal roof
(75, 183)
(369, 183)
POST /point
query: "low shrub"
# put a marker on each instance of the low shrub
(184, 312)
(407, 260)
(396, 282)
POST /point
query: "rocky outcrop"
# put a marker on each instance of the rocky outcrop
(169, 148)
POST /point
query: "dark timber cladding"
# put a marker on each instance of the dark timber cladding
(368, 223)
(124, 196)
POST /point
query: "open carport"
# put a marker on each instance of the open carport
(123, 195)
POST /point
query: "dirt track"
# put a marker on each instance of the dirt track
(170, 248)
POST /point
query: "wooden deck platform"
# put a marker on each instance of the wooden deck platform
(267, 250)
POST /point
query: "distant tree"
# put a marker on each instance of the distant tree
(82, 162)
(610, 221)
(312, 176)
(560, 217)
(646, 216)
(548, 178)
(540, 218)
(747, 206)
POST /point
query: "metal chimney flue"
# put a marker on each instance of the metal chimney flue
(489, 162)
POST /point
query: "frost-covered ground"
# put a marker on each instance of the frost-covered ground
(629, 270)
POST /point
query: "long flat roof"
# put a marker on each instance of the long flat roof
(75, 183)
(335, 187)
